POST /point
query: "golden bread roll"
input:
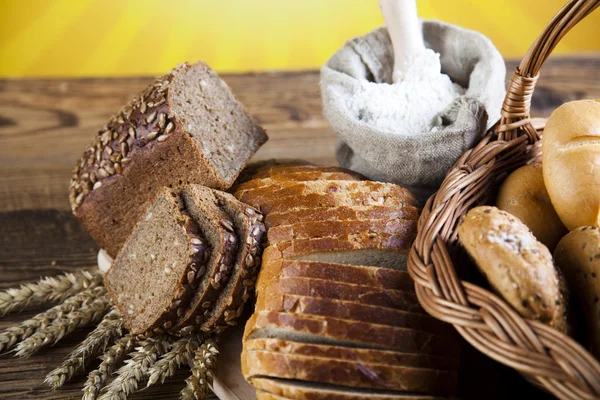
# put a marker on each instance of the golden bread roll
(518, 266)
(571, 154)
(578, 256)
(524, 195)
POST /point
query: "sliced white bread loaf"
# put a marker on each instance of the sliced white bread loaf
(257, 363)
(298, 390)
(358, 355)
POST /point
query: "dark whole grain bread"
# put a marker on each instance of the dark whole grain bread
(385, 357)
(218, 228)
(240, 286)
(186, 127)
(259, 363)
(299, 390)
(156, 273)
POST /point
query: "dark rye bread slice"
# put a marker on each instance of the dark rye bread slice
(360, 294)
(358, 355)
(203, 207)
(353, 311)
(296, 216)
(383, 278)
(271, 193)
(299, 390)
(158, 269)
(342, 332)
(251, 233)
(256, 363)
(186, 127)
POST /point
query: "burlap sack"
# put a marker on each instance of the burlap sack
(417, 162)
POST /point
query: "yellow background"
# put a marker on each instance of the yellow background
(112, 37)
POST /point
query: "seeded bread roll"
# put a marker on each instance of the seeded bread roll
(203, 207)
(358, 355)
(186, 127)
(251, 232)
(256, 363)
(570, 159)
(578, 256)
(523, 194)
(325, 330)
(298, 390)
(518, 266)
(158, 269)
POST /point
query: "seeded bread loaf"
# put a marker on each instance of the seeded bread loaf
(327, 330)
(186, 127)
(358, 355)
(383, 278)
(297, 216)
(347, 373)
(519, 267)
(157, 272)
(203, 206)
(251, 232)
(298, 390)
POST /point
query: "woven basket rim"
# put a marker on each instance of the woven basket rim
(545, 356)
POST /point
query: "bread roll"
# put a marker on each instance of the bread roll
(578, 256)
(523, 194)
(571, 153)
(519, 267)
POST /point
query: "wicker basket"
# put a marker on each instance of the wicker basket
(543, 355)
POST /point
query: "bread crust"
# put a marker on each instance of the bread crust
(518, 266)
(384, 357)
(301, 176)
(570, 158)
(367, 334)
(578, 256)
(347, 373)
(302, 391)
(523, 194)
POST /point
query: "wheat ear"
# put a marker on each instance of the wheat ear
(94, 304)
(136, 368)
(111, 359)
(205, 363)
(107, 331)
(49, 290)
(181, 351)
(15, 334)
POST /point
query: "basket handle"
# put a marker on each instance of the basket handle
(515, 118)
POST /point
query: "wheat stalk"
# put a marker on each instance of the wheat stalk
(107, 331)
(53, 289)
(111, 359)
(205, 361)
(15, 334)
(181, 351)
(135, 368)
(94, 304)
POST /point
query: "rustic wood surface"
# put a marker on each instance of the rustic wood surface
(45, 125)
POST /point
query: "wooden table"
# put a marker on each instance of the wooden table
(46, 124)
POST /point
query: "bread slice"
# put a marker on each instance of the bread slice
(251, 232)
(203, 206)
(299, 390)
(186, 127)
(366, 295)
(271, 193)
(337, 228)
(296, 216)
(155, 274)
(383, 278)
(357, 355)
(258, 363)
(327, 330)
(353, 311)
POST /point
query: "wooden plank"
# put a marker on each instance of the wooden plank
(46, 124)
